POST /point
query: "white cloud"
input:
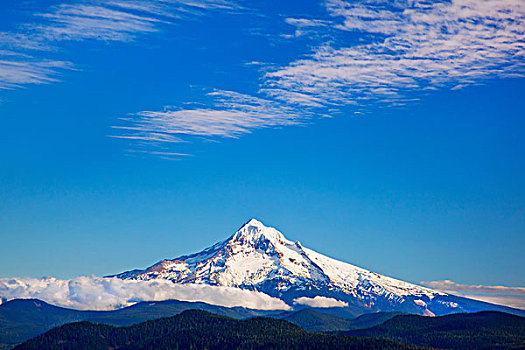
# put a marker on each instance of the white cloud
(448, 284)
(114, 20)
(319, 301)
(408, 45)
(232, 114)
(23, 53)
(305, 22)
(209, 4)
(396, 47)
(17, 73)
(509, 296)
(78, 22)
(97, 293)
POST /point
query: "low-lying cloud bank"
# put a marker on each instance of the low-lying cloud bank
(319, 301)
(508, 296)
(97, 293)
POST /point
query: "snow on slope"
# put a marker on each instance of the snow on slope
(261, 258)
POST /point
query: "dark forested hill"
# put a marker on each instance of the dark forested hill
(196, 329)
(22, 319)
(313, 320)
(481, 330)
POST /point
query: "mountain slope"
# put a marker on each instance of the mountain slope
(260, 258)
(482, 330)
(198, 330)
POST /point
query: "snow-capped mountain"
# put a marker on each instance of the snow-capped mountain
(260, 258)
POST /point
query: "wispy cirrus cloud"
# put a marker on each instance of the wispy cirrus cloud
(114, 20)
(26, 53)
(80, 22)
(18, 73)
(366, 52)
(509, 296)
(23, 53)
(407, 45)
(230, 115)
(305, 26)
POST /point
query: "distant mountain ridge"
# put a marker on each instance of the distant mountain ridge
(260, 258)
(197, 329)
(22, 319)
(319, 321)
(482, 330)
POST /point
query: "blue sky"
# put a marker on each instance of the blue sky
(390, 137)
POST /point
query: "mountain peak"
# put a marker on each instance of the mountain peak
(253, 222)
(258, 257)
(255, 231)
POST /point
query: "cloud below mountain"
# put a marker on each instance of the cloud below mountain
(509, 296)
(319, 301)
(97, 293)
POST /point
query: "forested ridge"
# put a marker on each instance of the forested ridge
(481, 330)
(196, 329)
